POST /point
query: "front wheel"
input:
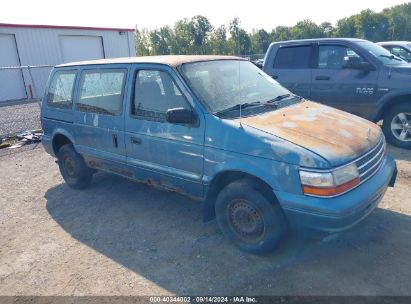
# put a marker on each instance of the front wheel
(397, 126)
(248, 218)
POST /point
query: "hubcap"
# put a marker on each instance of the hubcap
(401, 126)
(245, 220)
(70, 167)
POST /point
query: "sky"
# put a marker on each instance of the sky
(153, 14)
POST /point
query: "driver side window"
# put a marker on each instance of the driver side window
(332, 56)
(155, 93)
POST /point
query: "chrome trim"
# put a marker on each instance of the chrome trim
(381, 155)
(347, 164)
(377, 155)
(372, 159)
(379, 166)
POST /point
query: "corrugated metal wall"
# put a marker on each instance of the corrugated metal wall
(41, 46)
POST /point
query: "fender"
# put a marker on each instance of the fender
(385, 100)
(64, 132)
(241, 167)
(262, 169)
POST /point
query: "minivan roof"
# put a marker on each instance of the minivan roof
(171, 60)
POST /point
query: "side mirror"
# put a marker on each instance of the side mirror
(181, 116)
(355, 63)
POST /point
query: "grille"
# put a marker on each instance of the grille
(369, 163)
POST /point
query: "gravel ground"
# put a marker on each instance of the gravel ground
(15, 117)
(123, 238)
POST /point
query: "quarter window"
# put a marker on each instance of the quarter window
(101, 91)
(296, 57)
(332, 56)
(60, 93)
(155, 93)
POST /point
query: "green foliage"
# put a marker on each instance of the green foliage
(198, 36)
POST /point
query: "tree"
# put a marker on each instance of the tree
(161, 41)
(306, 29)
(198, 36)
(372, 26)
(399, 21)
(281, 33)
(260, 40)
(184, 39)
(200, 28)
(142, 42)
(346, 27)
(218, 41)
(327, 29)
(240, 42)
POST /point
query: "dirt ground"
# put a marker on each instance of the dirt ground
(123, 238)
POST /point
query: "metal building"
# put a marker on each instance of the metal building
(36, 48)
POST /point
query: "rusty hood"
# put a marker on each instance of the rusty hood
(335, 135)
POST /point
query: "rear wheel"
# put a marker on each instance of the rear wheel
(73, 168)
(248, 218)
(397, 126)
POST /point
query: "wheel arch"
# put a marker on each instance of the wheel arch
(60, 138)
(226, 177)
(391, 101)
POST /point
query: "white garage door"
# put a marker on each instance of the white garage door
(78, 48)
(11, 81)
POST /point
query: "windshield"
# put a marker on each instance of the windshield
(223, 84)
(380, 53)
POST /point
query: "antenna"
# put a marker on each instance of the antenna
(239, 85)
(240, 116)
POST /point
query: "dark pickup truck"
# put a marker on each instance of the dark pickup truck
(353, 75)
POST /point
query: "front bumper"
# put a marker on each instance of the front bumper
(341, 212)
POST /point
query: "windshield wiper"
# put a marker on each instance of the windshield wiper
(238, 106)
(278, 98)
(392, 57)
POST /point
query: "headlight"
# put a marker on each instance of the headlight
(330, 183)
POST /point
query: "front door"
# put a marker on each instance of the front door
(351, 90)
(99, 119)
(169, 155)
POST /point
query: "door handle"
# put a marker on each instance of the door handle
(322, 78)
(135, 140)
(115, 141)
(275, 76)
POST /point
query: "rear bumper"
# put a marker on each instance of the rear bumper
(341, 212)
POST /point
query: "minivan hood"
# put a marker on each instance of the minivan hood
(335, 135)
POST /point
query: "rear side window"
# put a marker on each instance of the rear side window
(154, 93)
(101, 91)
(60, 92)
(296, 57)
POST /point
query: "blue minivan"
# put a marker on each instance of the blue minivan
(218, 129)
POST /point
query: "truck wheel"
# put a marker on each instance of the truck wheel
(397, 126)
(73, 168)
(248, 218)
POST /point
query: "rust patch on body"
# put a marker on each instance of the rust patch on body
(326, 131)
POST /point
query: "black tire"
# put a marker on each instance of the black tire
(248, 218)
(73, 168)
(391, 119)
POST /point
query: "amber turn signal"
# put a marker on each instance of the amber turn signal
(331, 191)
